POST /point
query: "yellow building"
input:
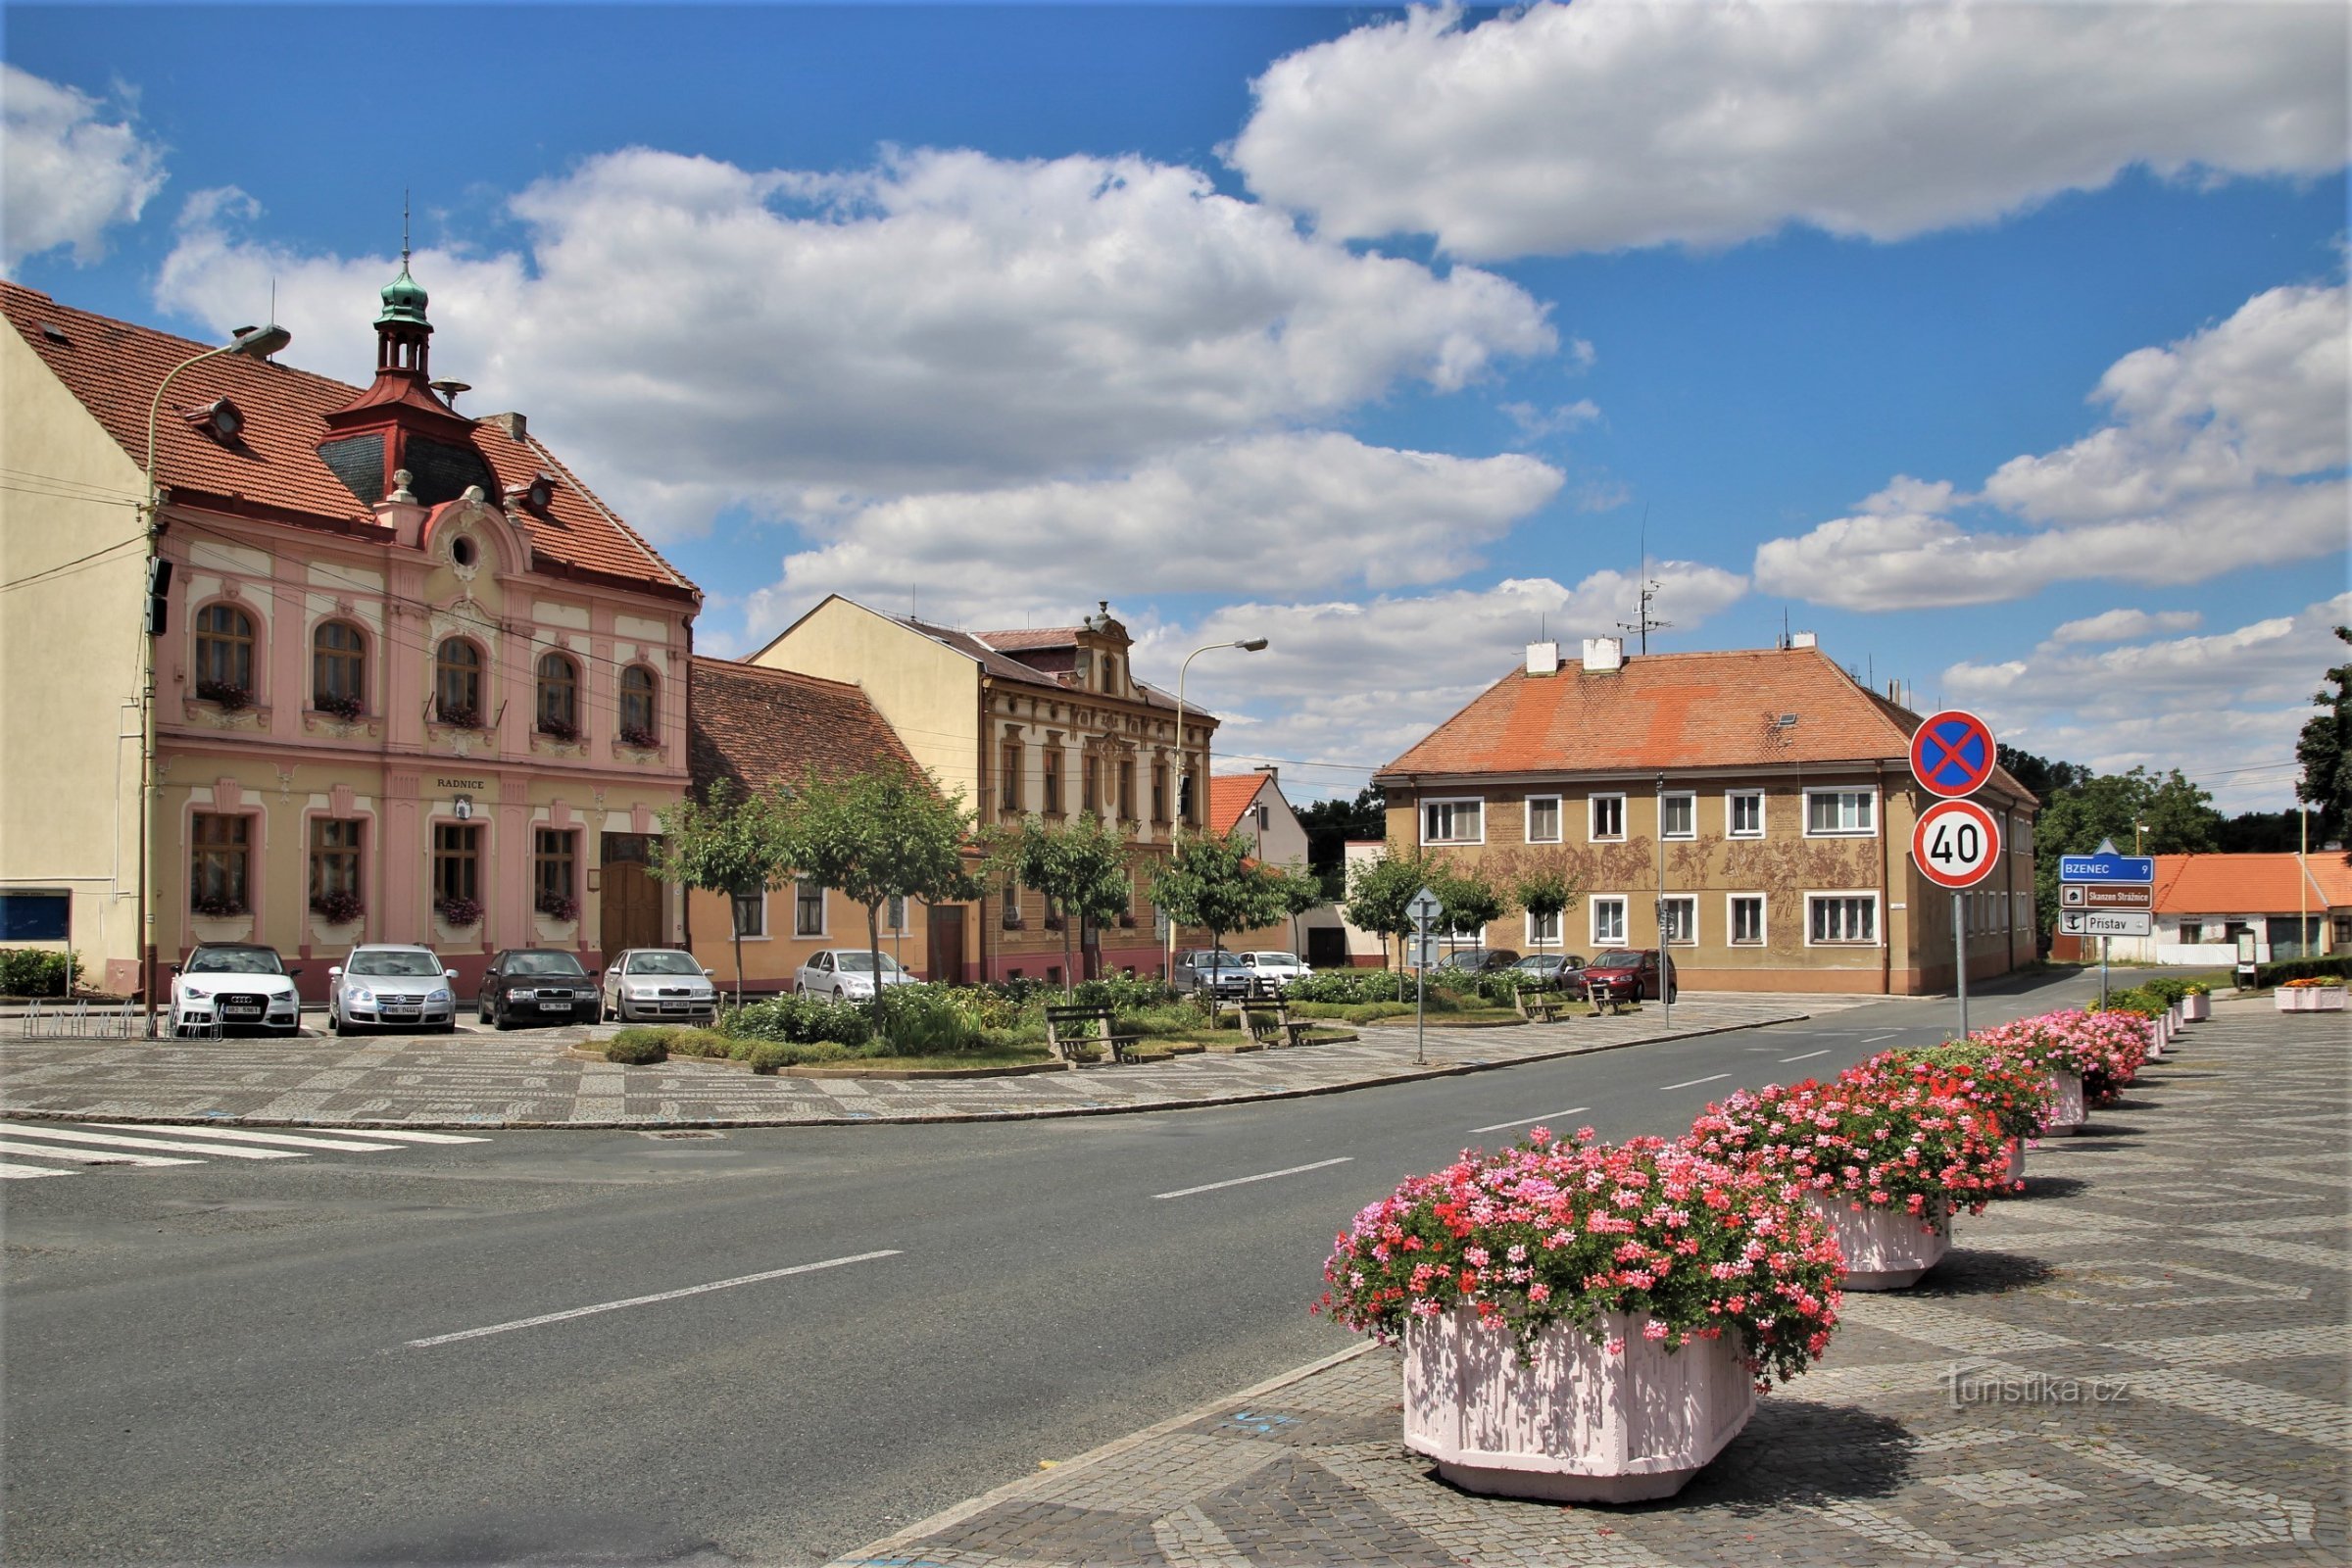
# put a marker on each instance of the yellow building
(1050, 721)
(415, 682)
(1755, 806)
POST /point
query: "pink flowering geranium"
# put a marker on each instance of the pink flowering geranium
(2104, 1049)
(2016, 1093)
(1555, 1233)
(1890, 1133)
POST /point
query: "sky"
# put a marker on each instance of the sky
(2002, 345)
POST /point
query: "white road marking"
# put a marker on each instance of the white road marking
(241, 1135)
(648, 1300)
(1263, 1176)
(1529, 1121)
(413, 1138)
(93, 1156)
(177, 1147)
(1874, 1039)
(17, 1173)
(1807, 1056)
(1692, 1082)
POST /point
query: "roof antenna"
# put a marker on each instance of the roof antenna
(403, 229)
(1644, 623)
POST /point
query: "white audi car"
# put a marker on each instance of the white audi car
(847, 975)
(234, 984)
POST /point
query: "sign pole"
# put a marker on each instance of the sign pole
(1960, 961)
(1421, 995)
(2103, 940)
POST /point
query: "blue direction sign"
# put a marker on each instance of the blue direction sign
(1952, 753)
(2106, 869)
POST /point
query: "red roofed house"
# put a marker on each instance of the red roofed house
(758, 728)
(1050, 721)
(2203, 904)
(415, 684)
(1254, 802)
(1758, 804)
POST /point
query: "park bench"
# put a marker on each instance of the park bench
(1536, 1006)
(1273, 1025)
(1068, 1028)
(1607, 1001)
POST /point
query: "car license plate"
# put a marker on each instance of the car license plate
(554, 1006)
(240, 1009)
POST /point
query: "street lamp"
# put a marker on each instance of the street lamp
(252, 343)
(1184, 773)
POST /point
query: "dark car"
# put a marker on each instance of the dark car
(1563, 973)
(536, 985)
(1478, 961)
(1630, 974)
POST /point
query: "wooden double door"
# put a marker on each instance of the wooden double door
(629, 912)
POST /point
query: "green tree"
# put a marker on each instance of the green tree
(2039, 774)
(2160, 816)
(1216, 884)
(1331, 823)
(1543, 883)
(727, 841)
(1079, 865)
(1468, 900)
(887, 833)
(1379, 890)
(2321, 749)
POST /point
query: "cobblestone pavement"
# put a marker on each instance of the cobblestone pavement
(2185, 1257)
(529, 1080)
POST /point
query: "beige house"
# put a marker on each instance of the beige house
(1755, 806)
(1052, 722)
(1253, 805)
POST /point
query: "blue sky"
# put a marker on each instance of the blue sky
(2003, 347)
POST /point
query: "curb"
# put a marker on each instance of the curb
(882, 1554)
(927, 1118)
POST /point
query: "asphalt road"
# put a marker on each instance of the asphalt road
(220, 1362)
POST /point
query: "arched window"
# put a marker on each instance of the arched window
(339, 670)
(637, 706)
(224, 654)
(559, 697)
(458, 683)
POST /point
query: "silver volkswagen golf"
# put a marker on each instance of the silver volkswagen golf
(391, 985)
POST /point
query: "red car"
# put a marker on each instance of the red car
(1631, 976)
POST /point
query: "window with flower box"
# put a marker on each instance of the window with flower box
(559, 697)
(225, 656)
(335, 868)
(221, 848)
(458, 683)
(639, 714)
(339, 670)
(457, 866)
(555, 852)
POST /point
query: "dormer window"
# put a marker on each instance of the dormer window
(220, 419)
(534, 497)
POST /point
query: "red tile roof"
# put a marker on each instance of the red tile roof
(273, 468)
(1229, 796)
(2249, 884)
(758, 726)
(1671, 711)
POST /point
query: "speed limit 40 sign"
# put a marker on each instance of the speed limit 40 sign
(1955, 844)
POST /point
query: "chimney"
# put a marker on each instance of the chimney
(1604, 653)
(515, 425)
(1803, 639)
(1542, 658)
(1273, 773)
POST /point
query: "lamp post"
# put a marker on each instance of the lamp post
(1184, 773)
(252, 343)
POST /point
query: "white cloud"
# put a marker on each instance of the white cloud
(1534, 424)
(1611, 123)
(2224, 708)
(802, 345)
(2123, 626)
(1311, 512)
(2223, 450)
(1364, 681)
(66, 175)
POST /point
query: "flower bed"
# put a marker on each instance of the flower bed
(2104, 1049)
(2312, 994)
(1561, 1233)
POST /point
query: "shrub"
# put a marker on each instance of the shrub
(766, 1056)
(2166, 987)
(635, 1047)
(1123, 992)
(925, 1021)
(39, 972)
(2272, 974)
(800, 1020)
(1351, 986)
(1554, 1233)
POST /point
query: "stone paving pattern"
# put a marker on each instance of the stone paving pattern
(2188, 1250)
(529, 1079)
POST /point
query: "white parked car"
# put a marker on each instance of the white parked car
(233, 983)
(847, 975)
(1275, 970)
(394, 984)
(657, 985)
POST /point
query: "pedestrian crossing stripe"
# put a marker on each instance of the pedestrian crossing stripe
(141, 1144)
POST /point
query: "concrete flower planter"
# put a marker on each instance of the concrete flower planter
(2017, 1160)
(1886, 1249)
(1578, 1424)
(2196, 1009)
(2067, 1114)
(2310, 999)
